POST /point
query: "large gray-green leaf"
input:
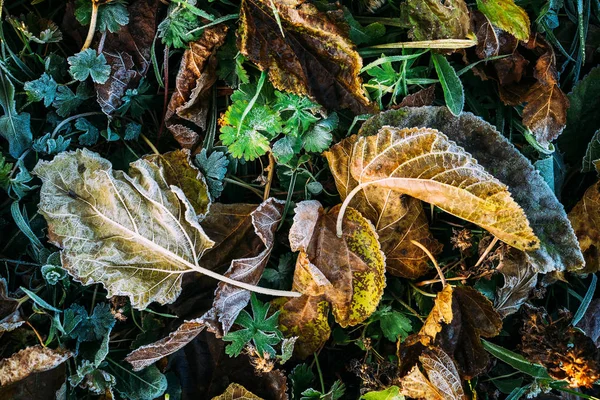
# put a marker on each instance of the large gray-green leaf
(133, 233)
(559, 249)
(14, 127)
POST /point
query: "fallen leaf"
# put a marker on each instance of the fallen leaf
(133, 233)
(354, 263)
(250, 236)
(36, 386)
(592, 154)
(127, 51)
(398, 219)
(244, 238)
(567, 353)
(440, 313)
(434, 19)
(506, 15)
(424, 97)
(585, 217)
(178, 170)
(299, 57)
(147, 355)
(559, 249)
(237, 392)
(459, 317)
(488, 37)
(196, 76)
(29, 361)
(425, 164)
(590, 323)
(444, 383)
(545, 112)
(520, 279)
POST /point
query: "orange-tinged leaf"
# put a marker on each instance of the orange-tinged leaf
(305, 51)
(546, 111)
(585, 218)
(425, 164)
(444, 383)
(441, 312)
(398, 219)
(29, 361)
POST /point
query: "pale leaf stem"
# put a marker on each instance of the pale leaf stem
(433, 260)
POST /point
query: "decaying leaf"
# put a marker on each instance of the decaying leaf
(127, 51)
(244, 237)
(567, 353)
(434, 19)
(444, 383)
(310, 55)
(29, 361)
(425, 164)
(10, 317)
(519, 280)
(585, 217)
(346, 274)
(506, 15)
(196, 76)
(459, 317)
(559, 249)
(354, 263)
(398, 219)
(178, 170)
(533, 80)
(237, 392)
(133, 233)
(147, 355)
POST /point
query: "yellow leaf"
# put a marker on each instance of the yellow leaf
(441, 312)
(585, 218)
(425, 164)
(506, 15)
(398, 219)
(237, 392)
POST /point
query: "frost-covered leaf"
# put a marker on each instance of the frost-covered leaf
(88, 63)
(425, 164)
(66, 102)
(147, 384)
(111, 15)
(36, 29)
(139, 235)
(43, 88)
(519, 280)
(237, 392)
(91, 133)
(180, 25)
(398, 219)
(298, 56)
(319, 137)
(49, 145)
(506, 15)
(177, 169)
(14, 126)
(87, 328)
(592, 154)
(559, 249)
(585, 218)
(29, 361)
(444, 383)
(244, 236)
(214, 169)
(259, 329)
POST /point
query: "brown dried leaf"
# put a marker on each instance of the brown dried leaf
(10, 316)
(178, 170)
(444, 383)
(425, 164)
(147, 355)
(128, 53)
(520, 278)
(585, 218)
(559, 249)
(488, 40)
(424, 97)
(248, 243)
(29, 361)
(237, 392)
(458, 318)
(354, 263)
(398, 219)
(192, 86)
(546, 112)
(312, 56)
